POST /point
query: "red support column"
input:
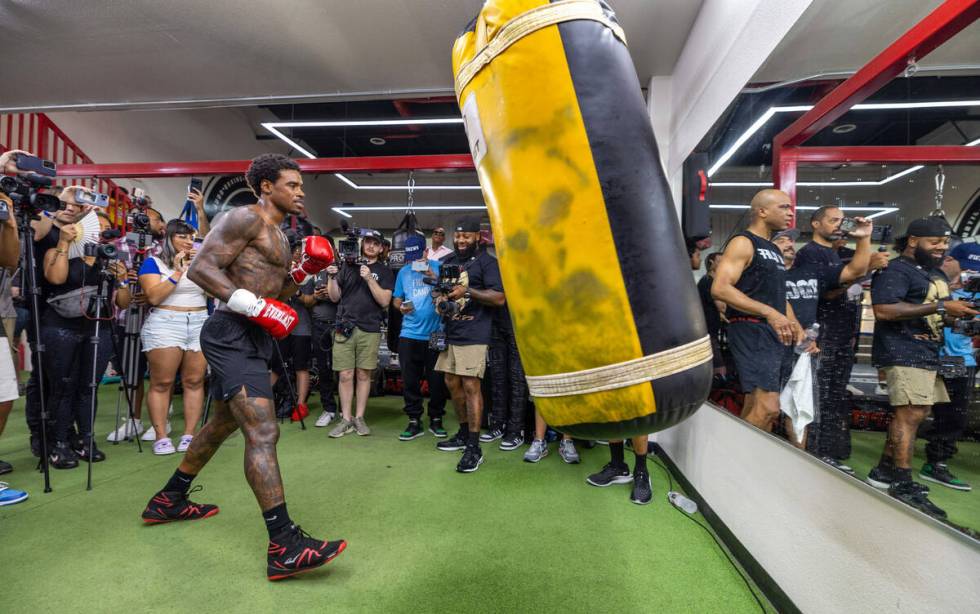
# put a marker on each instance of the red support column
(785, 179)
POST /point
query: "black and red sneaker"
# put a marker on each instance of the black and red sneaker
(294, 551)
(171, 506)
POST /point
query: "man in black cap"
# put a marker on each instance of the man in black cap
(911, 302)
(477, 291)
(362, 291)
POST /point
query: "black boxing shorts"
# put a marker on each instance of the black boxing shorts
(239, 354)
(758, 354)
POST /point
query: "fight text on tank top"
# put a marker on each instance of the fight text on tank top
(764, 280)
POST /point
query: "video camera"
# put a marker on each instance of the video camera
(970, 281)
(104, 250)
(349, 249)
(138, 221)
(23, 190)
(449, 278)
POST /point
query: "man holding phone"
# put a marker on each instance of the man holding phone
(413, 297)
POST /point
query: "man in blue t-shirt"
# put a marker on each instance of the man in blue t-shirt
(412, 296)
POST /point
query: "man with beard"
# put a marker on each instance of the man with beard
(911, 301)
(806, 282)
(464, 360)
(246, 262)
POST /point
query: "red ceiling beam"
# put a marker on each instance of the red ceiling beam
(938, 27)
(457, 162)
(911, 154)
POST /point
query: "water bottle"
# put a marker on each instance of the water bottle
(810, 335)
(678, 500)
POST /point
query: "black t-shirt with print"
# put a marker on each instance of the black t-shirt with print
(908, 343)
(804, 287)
(357, 304)
(471, 326)
(837, 316)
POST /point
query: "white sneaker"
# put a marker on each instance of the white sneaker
(325, 418)
(151, 434)
(162, 447)
(185, 442)
(128, 430)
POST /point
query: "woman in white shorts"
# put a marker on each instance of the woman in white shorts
(171, 334)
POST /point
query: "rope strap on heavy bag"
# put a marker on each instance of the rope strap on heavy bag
(624, 374)
(529, 22)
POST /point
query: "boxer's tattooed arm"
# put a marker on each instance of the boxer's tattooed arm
(223, 246)
(258, 423)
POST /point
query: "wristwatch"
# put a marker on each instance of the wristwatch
(466, 294)
(941, 308)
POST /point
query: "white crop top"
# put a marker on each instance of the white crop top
(185, 294)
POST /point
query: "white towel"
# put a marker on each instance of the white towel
(796, 399)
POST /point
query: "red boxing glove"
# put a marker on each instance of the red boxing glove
(317, 255)
(276, 317)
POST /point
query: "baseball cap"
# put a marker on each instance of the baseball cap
(933, 226)
(468, 224)
(414, 248)
(791, 233)
(372, 234)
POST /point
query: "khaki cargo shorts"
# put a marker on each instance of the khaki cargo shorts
(911, 386)
(468, 360)
(359, 351)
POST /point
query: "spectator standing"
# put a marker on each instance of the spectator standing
(438, 251)
(413, 297)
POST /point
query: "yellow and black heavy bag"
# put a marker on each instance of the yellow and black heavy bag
(606, 314)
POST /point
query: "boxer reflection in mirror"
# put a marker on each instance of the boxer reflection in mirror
(246, 257)
(750, 280)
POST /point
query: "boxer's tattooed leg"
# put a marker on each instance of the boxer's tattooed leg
(258, 423)
(209, 439)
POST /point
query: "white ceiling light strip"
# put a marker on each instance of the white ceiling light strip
(877, 106)
(403, 187)
(346, 211)
(878, 211)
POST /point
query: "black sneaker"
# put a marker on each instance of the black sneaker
(412, 431)
(81, 450)
(611, 474)
(934, 472)
(493, 434)
(471, 461)
(454, 443)
(911, 494)
(174, 505)
(642, 489)
(881, 477)
(836, 464)
(61, 456)
(295, 551)
(436, 428)
(512, 441)
(5, 467)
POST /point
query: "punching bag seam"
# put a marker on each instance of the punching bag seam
(624, 374)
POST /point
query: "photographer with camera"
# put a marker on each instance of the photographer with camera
(143, 240)
(324, 312)
(416, 357)
(469, 288)
(911, 301)
(9, 255)
(67, 327)
(362, 288)
(958, 366)
(171, 334)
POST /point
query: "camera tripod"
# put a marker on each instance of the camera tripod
(102, 297)
(32, 292)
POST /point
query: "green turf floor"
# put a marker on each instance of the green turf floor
(511, 537)
(962, 507)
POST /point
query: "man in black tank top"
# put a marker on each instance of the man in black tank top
(751, 280)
